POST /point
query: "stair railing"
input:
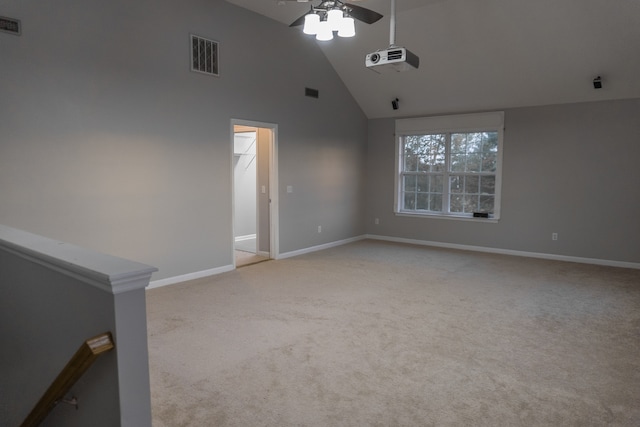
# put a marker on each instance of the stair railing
(77, 365)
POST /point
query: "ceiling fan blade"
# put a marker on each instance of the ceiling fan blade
(360, 13)
(363, 14)
(299, 21)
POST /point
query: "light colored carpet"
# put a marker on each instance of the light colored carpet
(383, 334)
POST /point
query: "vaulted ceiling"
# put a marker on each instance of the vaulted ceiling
(485, 54)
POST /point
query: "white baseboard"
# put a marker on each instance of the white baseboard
(320, 247)
(212, 272)
(554, 257)
(226, 268)
(243, 238)
(263, 253)
(190, 276)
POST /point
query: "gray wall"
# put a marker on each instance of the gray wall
(108, 140)
(571, 169)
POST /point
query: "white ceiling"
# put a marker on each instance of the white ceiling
(485, 54)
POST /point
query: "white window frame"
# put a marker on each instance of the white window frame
(462, 123)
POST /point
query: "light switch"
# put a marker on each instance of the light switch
(264, 189)
(289, 188)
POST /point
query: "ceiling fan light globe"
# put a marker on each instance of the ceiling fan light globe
(311, 22)
(324, 31)
(347, 27)
(334, 18)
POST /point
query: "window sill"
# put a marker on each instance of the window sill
(449, 217)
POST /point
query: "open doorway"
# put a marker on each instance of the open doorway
(254, 184)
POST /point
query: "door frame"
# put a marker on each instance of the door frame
(274, 244)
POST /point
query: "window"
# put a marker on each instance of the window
(449, 166)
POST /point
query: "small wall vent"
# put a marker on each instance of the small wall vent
(10, 25)
(312, 93)
(204, 55)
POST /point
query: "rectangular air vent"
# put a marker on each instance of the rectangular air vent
(312, 93)
(204, 55)
(11, 26)
(481, 214)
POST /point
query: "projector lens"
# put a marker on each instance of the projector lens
(375, 57)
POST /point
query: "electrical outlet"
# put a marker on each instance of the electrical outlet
(554, 236)
(319, 229)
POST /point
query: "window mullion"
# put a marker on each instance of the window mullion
(445, 178)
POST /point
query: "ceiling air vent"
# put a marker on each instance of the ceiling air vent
(9, 25)
(204, 55)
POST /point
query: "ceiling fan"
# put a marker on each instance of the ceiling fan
(328, 10)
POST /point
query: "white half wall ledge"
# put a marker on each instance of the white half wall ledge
(105, 272)
(553, 257)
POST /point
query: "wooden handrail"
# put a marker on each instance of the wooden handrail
(77, 365)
